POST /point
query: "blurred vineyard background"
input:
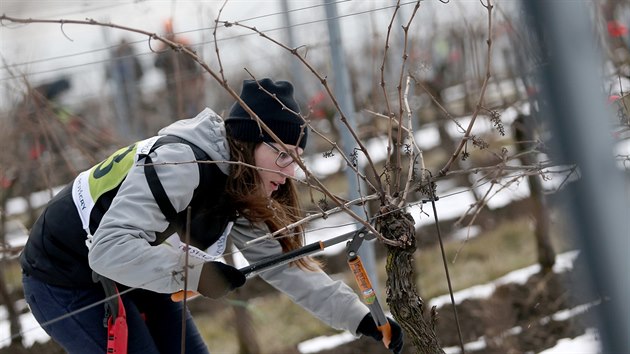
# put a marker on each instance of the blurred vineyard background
(70, 95)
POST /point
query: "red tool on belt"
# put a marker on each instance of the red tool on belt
(115, 317)
(354, 240)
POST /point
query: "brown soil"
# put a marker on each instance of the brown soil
(526, 306)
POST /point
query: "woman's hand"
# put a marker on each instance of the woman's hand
(217, 279)
(367, 327)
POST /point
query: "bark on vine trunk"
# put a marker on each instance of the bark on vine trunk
(546, 255)
(404, 302)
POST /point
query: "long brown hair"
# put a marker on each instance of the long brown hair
(246, 190)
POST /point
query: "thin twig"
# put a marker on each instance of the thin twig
(184, 303)
(383, 87)
(403, 197)
(322, 215)
(216, 44)
(482, 94)
(324, 83)
(401, 100)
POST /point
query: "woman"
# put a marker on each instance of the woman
(131, 213)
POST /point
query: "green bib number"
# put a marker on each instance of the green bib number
(112, 171)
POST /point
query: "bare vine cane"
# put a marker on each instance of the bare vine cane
(433, 198)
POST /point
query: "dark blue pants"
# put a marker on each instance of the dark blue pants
(70, 317)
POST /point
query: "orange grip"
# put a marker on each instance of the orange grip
(363, 281)
(386, 329)
(179, 296)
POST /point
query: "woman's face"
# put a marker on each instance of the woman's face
(266, 155)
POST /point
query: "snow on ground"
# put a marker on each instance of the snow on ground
(585, 344)
(588, 343)
(563, 262)
(19, 205)
(31, 330)
(325, 342)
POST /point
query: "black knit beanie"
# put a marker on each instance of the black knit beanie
(285, 124)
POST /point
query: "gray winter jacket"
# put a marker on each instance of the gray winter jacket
(121, 246)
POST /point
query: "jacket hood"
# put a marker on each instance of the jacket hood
(206, 131)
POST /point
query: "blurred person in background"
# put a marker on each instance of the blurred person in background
(44, 128)
(183, 78)
(125, 71)
(131, 213)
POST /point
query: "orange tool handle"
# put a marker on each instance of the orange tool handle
(369, 296)
(363, 281)
(179, 296)
(386, 329)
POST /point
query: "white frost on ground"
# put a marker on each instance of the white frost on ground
(564, 261)
(588, 343)
(31, 330)
(480, 343)
(325, 342)
(585, 344)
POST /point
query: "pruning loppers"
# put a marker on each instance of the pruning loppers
(354, 241)
(365, 285)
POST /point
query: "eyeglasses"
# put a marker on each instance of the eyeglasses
(283, 159)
